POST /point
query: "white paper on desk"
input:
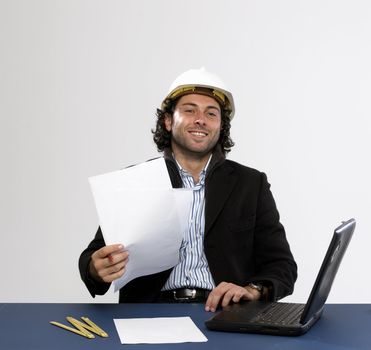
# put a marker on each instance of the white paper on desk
(149, 221)
(160, 330)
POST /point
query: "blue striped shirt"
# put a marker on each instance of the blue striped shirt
(192, 269)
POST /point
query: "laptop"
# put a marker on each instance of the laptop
(288, 319)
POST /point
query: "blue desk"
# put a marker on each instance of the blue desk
(26, 326)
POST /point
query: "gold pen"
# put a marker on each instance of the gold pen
(100, 331)
(84, 333)
(87, 326)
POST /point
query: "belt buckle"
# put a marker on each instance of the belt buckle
(191, 296)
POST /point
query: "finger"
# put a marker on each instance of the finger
(211, 302)
(233, 294)
(112, 269)
(118, 267)
(106, 271)
(107, 250)
(215, 296)
(114, 276)
(100, 261)
(105, 256)
(228, 296)
(114, 272)
(110, 258)
(106, 268)
(240, 293)
(113, 259)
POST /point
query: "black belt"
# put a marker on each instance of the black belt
(184, 295)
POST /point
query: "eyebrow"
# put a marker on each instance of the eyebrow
(196, 105)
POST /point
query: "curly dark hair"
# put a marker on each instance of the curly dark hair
(162, 137)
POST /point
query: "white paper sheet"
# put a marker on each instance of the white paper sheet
(138, 207)
(160, 330)
(151, 174)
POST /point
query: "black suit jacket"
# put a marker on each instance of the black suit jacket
(244, 239)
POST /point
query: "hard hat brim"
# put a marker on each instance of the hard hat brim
(223, 97)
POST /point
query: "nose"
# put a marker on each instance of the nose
(200, 118)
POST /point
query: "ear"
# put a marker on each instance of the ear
(168, 121)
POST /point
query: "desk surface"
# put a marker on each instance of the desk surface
(26, 326)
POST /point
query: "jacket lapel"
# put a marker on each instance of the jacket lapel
(219, 186)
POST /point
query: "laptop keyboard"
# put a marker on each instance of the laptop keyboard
(280, 314)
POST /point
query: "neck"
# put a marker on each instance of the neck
(193, 165)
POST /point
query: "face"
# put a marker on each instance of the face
(195, 125)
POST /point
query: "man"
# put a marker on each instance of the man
(235, 248)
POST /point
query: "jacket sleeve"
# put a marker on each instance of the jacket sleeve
(274, 262)
(94, 287)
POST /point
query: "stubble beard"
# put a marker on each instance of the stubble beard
(182, 146)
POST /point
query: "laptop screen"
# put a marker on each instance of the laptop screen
(328, 270)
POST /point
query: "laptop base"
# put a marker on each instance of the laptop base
(245, 318)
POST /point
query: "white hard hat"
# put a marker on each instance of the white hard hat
(200, 81)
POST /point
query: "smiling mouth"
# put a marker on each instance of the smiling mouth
(198, 133)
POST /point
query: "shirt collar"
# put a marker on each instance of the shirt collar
(215, 161)
(203, 171)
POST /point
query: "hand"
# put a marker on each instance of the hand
(108, 263)
(225, 293)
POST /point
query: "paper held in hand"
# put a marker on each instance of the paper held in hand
(138, 208)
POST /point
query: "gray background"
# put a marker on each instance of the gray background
(79, 84)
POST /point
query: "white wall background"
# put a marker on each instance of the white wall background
(79, 84)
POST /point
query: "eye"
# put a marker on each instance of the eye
(213, 113)
(189, 110)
